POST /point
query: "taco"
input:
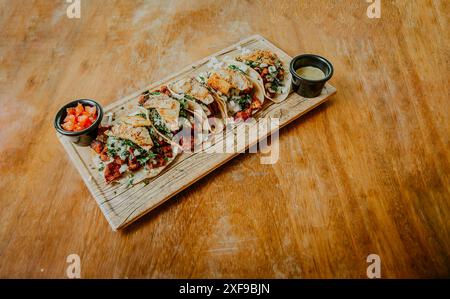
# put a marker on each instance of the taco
(131, 145)
(169, 116)
(241, 95)
(274, 74)
(202, 103)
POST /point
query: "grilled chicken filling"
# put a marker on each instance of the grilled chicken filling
(237, 91)
(192, 88)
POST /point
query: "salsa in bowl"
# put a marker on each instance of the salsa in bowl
(79, 120)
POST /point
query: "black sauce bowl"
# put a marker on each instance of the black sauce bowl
(83, 137)
(305, 87)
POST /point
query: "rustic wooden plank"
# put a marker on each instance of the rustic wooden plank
(122, 205)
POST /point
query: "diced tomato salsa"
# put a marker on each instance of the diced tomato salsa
(79, 118)
(245, 114)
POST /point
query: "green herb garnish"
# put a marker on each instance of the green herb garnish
(159, 123)
(111, 152)
(184, 114)
(143, 159)
(235, 68)
(141, 115)
(130, 180)
(130, 143)
(245, 101)
(253, 64)
(183, 101)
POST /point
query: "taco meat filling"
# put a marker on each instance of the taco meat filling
(120, 155)
(213, 108)
(269, 67)
(237, 90)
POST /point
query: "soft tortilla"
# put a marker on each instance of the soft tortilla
(168, 109)
(269, 58)
(138, 135)
(193, 88)
(224, 79)
(230, 79)
(136, 121)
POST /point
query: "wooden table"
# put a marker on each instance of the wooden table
(367, 172)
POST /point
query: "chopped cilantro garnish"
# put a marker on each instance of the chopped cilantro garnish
(130, 143)
(159, 123)
(245, 101)
(235, 68)
(183, 103)
(253, 64)
(144, 158)
(184, 114)
(130, 181)
(111, 152)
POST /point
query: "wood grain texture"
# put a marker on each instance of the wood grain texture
(367, 172)
(123, 204)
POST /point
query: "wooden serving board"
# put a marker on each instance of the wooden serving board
(122, 204)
